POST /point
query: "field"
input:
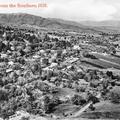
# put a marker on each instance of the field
(100, 63)
(103, 110)
(66, 109)
(107, 57)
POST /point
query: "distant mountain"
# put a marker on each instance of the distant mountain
(107, 23)
(52, 23)
(111, 26)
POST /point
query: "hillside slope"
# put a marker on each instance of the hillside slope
(20, 19)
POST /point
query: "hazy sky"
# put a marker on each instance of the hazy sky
(75, 10)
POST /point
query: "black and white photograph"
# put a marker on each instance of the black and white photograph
(59, 59)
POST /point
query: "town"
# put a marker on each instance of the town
(58, 74)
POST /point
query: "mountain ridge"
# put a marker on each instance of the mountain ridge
(24, 18)
(54, 23)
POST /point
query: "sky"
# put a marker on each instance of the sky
(75, 10)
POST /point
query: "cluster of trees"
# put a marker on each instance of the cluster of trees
(31, 97)
(88, 55)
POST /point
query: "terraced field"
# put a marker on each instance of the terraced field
(100, 63)
(107, 57)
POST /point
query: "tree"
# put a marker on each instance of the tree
(85, 54)
(46, 103)
(112, 50)
(115, 94)
(3, 94)
(94, 83)
(47, 38)
(92, 98)
(78, 100)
